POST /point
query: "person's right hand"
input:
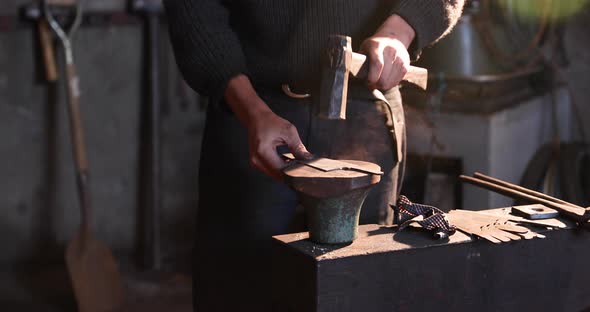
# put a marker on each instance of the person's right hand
(387, 50)
(266, 130)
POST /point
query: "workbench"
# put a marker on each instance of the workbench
(387, 270)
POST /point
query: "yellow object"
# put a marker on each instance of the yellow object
(535, 9)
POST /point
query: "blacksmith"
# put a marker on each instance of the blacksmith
(240, 53)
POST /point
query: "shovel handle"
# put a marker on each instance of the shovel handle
(73, 100)
(47, 50)
(75, 115)
(78, 145)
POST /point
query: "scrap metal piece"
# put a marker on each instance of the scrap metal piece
(534, 212)
(327, 164)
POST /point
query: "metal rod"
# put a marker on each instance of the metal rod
(524, 190)
(154, 194)
(575, 213)
(151, 197)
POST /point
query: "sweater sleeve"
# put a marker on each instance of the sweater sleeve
(206, 48)
(431, 20)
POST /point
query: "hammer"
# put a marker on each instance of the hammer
(339, 63)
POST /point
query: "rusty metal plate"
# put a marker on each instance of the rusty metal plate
(534, 212)
(327, 165)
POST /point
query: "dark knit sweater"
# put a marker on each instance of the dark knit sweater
(280, 41)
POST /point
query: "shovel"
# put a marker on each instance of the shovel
(92, 268)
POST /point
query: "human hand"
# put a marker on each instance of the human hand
(265, 133)
(266, 130)
(387, 52)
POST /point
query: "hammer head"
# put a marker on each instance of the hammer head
(335, 72)
(340, 62)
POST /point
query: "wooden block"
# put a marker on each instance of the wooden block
(408, 271)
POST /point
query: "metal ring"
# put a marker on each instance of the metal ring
(291, 94)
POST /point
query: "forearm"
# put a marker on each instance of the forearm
(243, 100)
(430, 19)
(396, 27)
(206, 47)
(387, 50)
(266, 130)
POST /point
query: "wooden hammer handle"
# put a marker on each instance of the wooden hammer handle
(417, 76)
(359, 68)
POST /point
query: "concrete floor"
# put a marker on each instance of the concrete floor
(49, 290)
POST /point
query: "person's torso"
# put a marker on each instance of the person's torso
(283, 40)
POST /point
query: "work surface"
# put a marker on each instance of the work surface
(375, 239)
(372, 239)
(386, 270)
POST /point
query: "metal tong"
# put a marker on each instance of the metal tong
(567, 209)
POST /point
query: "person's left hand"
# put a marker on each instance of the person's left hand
(387, 53)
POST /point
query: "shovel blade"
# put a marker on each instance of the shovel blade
(94, 274)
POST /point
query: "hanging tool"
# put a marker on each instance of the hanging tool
(93, 271)
(152, 259)
(33, 11)
(47, 50)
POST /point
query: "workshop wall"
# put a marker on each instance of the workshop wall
(501, 143)
(38, 203)
(9, 7)
(577, 47)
